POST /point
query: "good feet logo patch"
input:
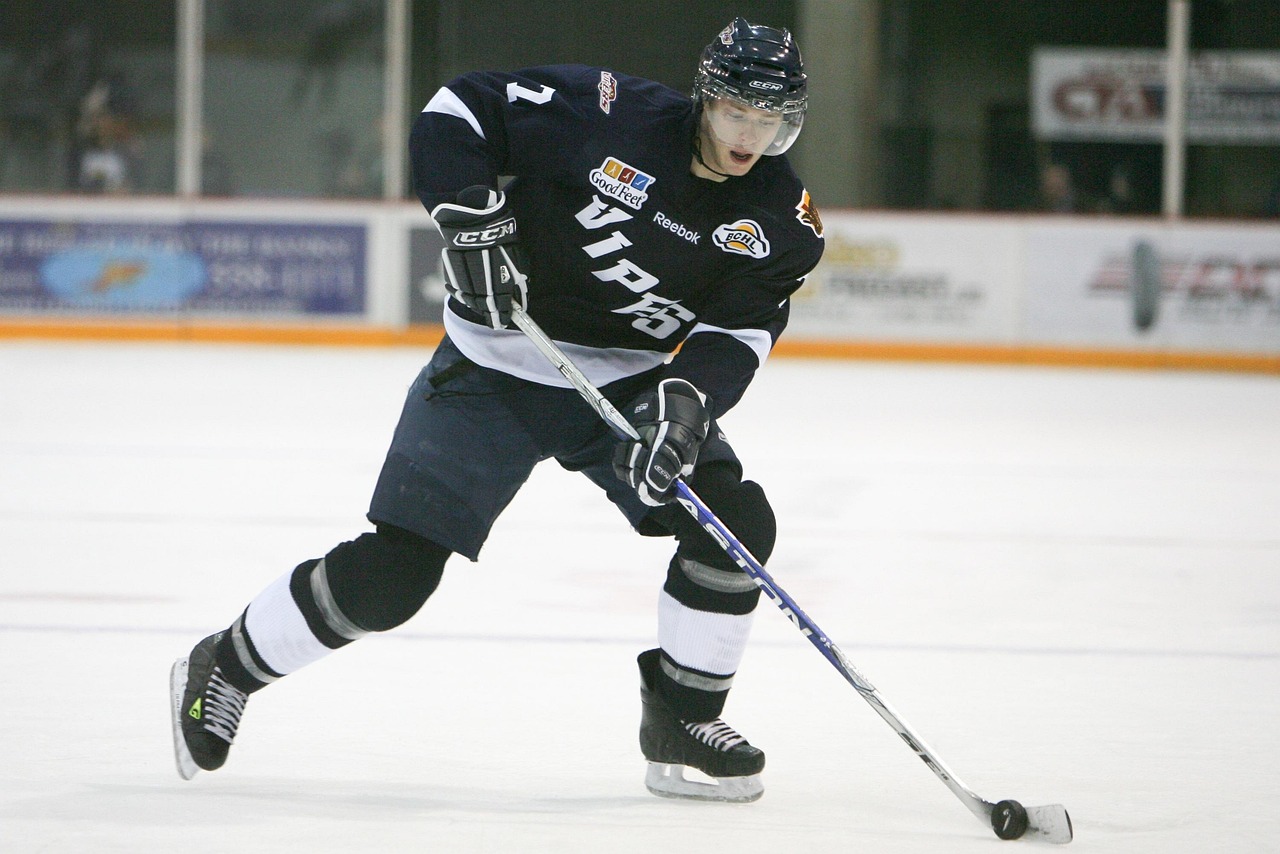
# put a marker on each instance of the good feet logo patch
(625, 183)
(744, 237)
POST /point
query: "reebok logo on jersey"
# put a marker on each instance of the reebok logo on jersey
(608, 91)
(625, 183)
(744, 237)
(676, 228)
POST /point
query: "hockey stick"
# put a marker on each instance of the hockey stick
(1008, 818)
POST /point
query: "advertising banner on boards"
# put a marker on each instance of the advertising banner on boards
(907, 278)
(196, 267)
(426, 281)
(1193, 288)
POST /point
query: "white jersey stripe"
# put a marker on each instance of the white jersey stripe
(444, 101)
(760, 341)
(511, 351)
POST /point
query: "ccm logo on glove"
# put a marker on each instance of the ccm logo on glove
(486, 237)
(482, 259)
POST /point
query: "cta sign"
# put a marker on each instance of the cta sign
(1098, 94)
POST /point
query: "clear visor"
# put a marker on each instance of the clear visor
(750, 129)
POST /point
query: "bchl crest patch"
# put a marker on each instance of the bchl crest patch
(807, 213)
(744, 237)
(608, 91)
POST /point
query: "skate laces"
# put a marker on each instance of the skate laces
(223, 706)
(716, 734)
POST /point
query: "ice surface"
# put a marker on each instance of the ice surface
(1067, 581)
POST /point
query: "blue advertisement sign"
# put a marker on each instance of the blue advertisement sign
(427, 293)
(189, 267)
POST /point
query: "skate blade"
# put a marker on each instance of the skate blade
(187, 767)
(668, 781)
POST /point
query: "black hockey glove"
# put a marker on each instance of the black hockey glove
(483, 261)
(672, 422)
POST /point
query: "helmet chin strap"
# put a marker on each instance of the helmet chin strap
(697, 153)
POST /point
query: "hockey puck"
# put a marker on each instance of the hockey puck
(1009, 820)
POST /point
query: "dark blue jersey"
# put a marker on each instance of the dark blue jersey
(630, 255)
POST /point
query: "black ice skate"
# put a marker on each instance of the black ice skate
(712, 747)
(206, 710)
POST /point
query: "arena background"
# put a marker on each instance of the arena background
(216, 169)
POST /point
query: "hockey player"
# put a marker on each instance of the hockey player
(639, 222)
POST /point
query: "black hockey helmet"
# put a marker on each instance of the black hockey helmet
(759, 67)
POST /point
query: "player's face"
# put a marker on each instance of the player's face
(735, 135)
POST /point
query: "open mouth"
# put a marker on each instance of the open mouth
(741, 156)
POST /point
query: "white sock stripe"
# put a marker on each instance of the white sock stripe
(700, 640)
(279, 631)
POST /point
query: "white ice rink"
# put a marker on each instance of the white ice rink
(1068, 581)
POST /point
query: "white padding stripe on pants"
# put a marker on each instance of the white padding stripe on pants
(700, 640)
(279, 631)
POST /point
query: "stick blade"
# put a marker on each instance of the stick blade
(1049, 824)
